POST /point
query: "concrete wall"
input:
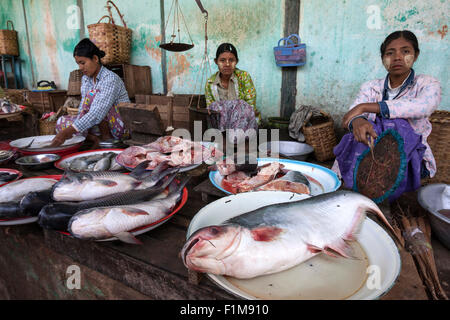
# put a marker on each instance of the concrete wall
(342, 37)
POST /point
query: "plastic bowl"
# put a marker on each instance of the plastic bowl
(430, 198)
(291, 149)
(38, 161)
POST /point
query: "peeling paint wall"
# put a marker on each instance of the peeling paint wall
(342, 37)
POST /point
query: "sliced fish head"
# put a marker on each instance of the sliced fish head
(208, 247)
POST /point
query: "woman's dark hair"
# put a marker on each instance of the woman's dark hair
(405, 34)
(86, 48)
(226, 47)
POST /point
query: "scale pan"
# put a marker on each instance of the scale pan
(176, 47)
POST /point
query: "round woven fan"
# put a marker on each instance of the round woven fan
(380, 169)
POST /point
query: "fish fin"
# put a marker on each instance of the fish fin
(140, 170)
(314, 249)
(341, 248)
(132, 212)
(107, 183)
(174, 187)
(127, 237)
(265, 233)
(356, 225)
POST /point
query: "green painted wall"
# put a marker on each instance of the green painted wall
(342, 37)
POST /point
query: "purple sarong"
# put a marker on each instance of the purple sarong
(348, 150)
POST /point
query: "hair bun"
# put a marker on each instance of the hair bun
(101, 53)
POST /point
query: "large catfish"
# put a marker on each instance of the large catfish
(93, 185)
(279, 236)
(56, 215)
(118, 221)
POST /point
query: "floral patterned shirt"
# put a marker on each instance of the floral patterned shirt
(244, 88)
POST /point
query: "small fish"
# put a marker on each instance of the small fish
(103, 164)
(79, 164)
(107, 222)
(279, 236)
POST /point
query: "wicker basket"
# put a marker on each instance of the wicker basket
(47, 127)
(114, 40)
(439, 141)
(319, 133)
(8, 41)
(74, 87)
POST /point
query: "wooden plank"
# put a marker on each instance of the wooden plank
(111, 260)
(289, 74)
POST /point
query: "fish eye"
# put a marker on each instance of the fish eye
(214, 230)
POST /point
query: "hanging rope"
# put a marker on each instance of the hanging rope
(205, 66)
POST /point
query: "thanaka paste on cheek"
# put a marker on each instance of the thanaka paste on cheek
(387, 63)
(409, 60)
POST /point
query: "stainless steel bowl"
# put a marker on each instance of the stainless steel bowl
(289, 149)
(430, 198)
(38, 161)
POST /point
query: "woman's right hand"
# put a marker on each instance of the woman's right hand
(362, 129)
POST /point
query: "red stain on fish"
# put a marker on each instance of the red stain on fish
(134, 213)
(266, 233)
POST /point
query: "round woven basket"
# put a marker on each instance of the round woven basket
(439, 141)
(319, 133)
(8, 41)
(47, 127)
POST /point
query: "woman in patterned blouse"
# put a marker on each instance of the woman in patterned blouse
(401, 96)
(231, 92)
(102, 90)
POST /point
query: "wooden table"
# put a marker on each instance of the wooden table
(34, 262)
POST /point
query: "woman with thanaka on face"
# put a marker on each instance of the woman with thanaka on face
(101, 91)
(230, 92)
(401, 96)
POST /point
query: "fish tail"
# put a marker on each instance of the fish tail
(175, 188)
(373, 208)
(164, 184)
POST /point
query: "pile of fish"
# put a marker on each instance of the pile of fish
(7, 106)
(96, 162)
(272, 176)
(279, 236)
(95, 205)
(7, 176)
(177, 151)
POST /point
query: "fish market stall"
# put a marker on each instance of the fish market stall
(154, 269)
